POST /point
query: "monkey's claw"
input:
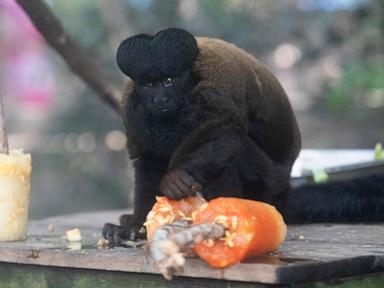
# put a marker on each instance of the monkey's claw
(179, 184)
(112, 234)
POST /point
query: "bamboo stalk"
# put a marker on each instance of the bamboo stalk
(3, 132)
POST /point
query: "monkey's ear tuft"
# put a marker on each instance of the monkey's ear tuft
(134, 56)
(175, 50)
(169, 52)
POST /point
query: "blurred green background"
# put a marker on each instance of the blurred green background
(328, 54)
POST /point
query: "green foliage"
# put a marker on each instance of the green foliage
(81, 19)
(379, 152)
(354, 86)
(320, 176)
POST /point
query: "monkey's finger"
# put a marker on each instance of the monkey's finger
(195, 186)
(187, 179)
(170, 190)
(190, 184)
(111, 233)
(107, 229)
(132, 234)
(104, 232)
(175, 190)
(124, 232)
(184, 188)
(111, 239)
(116, 238)
(125, 219)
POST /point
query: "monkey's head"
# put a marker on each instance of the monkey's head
(160, 67)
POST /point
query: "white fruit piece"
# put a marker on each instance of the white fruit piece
(73, 235)
(15, 171)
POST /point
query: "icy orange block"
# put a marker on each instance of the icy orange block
(166, 211)
(252, 228)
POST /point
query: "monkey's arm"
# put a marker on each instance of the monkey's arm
(148, 173)
(134, 147)
(211, 147)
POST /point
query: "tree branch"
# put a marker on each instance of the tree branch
(170, 239)
(79, 62)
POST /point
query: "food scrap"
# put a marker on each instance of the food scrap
(102, 244)
(73, 235)
(51, 228)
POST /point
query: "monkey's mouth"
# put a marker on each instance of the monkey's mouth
(166, 112)
(168, 109)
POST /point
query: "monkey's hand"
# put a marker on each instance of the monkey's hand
(128, 230)
(178, 184)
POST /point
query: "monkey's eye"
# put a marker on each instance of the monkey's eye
(167, 82)
(148, 85)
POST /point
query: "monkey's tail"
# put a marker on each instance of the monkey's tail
(351, 201)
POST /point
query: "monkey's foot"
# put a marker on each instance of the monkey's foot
(116, 234)
(125, 219)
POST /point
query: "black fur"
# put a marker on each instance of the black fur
(160, 134)
(184, 137)
(356, 200)
(145, 57)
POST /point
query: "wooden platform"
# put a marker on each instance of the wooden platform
(311, 253)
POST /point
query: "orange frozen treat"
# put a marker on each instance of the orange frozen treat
(252, 228)
(166, 211)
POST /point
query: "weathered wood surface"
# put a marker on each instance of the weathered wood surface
(311, 252)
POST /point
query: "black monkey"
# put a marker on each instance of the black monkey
(203, 115)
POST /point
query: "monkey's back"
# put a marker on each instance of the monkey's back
(224, 66)
(256, 92)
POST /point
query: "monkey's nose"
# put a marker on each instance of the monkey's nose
(160, 100)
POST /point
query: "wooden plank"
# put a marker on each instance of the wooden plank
(311, 252)
(34, 276)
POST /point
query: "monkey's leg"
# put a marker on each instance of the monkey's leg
(252, 175)
(227, 184)
(148, 172)
(262, 178)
